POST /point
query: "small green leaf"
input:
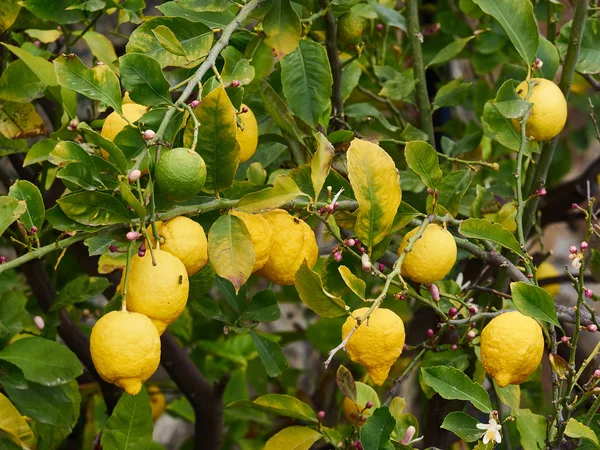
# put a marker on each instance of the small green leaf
(509, 395)
(509, 103)
(270, 355)
(236, 67)
(130, 425)
(451, 190)
(346, 383)
(293, 438)
(450, 51)
(494, 232)
(10, 210)
(278, 110)
(38, 65)
(131, 199)
(311, 292)
(11, 315)
(451, 94)
(230, 250)
(167, 40)
(99, 83)
(350, 76)
(93, 208)
(30, 194)
(79, 290)
(462, 425)
(116, 156)
(283, 191)
(20, 84)
(577, 430)
(58, 11)
(390, 16)
(205, 5)
(142, 76)
(101, 48)
(423, 160)
(355, 284)
(39, 151)
(43, 361)
(532, 429)
(534, 301)
(452, 384)
(262, 307)
(280, 404)
(282, 27)
(376, 432)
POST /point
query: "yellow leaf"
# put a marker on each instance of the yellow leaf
(293, 438)
(282, 27)
(20, 120)
(13, 423)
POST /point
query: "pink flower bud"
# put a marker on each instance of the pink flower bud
(541, 192)
(572, 249)
(575, 206)
(194, 103)
(33, 230)
(597, 373)
(357, 241)
(132, 236)
(369, 405)
(430, 191)
(583, 246)
(337, 256)
(473, 324)
(381, 267)
(473, 310)
(564, 339)
(2, 259)
(588, 293)
(359, 445)
(149, 135)
(435, 292)
(430, 333)
(471, 335)
(39, 322)
(112, 248)
(366, 264)
(379, 26)
(592, 328)
(452, 312)
(336, 205)
(329, 208)
(321, 416)
(362, 250)
(134, 175)
(410, 433)
(236, 83)
(141, 253)
(244, 109)
(350, 242)
(454, 347)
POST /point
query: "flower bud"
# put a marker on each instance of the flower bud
(454, 347)
(132, 236)
(236, 83)
(592, 328)
(2, 259)
(134, 175)
(148, 135)
(541, 192)
(337, 256)
(321, 416)
(473, 310)
(473, 324)
(141, 253)
(471, 335)
(575, 206)
(381, 267)
(410, 433)
(73, 125)
(366, 264)
(244, 109)
(583, 246)
(572, 249)
(537, 64)
(39, 322)
(597, 373)
(37, 43)
(452, 312)
(195, 103)
(379, 26)
(430, 333)
(564, 339)
(350, 242)
(336, 205)
(33, 230)
(588, 293)
(112, 248)
(435, 292)
(359, 445)
(362, 250)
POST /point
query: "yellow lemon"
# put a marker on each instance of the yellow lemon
(432, 256)
(512, 346)
(114, 123)
(549, 113)
(261, 235)
(125, 348)
(184, 239)
(158, 291)
(293, 242)
(247, 134)
(158, 402)
(355, 413)
(547, 270)
(377, 343)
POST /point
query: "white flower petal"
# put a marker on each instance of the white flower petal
(498, 437)
(483, 426)
(485, 439)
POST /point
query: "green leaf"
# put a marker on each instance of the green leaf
(589, 54)
(283, 191)
(450, 51)
(131, 199)
(58, 11)
(130, 425)
(451, 94)
(509, 395)
(82, 171)
(278, 110)
(30, 194)
(38, 65)
(270, 355)
(20, 84)
(9, 11)
(311, 292)
(452, 384)
(293, 438)
(398, 87)
(350, 76)
(502, 129)
(376, 184)
(262, 307)
(195, 38)
(216, 139)
(320, 164)
(167, 40)
(142, 76)
(355, 284)
(230, 250)
(548, 53)
(423, 160)
(210, 18)
(346, 383)
(282, 27)
(79, 290)
(93, 208)
(594, 263)
(59, 221)
(282, 405)
(376, 432)
(306, 80)
(43, 361)
(101, 48)
(11, 315)
(99, 83)
(389, 16)
(205, 5)
(462, 425)
(236, 67)
(12, 146)
(20, 120)
(494, 232)
(532, 429)
(518, 20)
(451, 190)
(116, 156)
(577, 430)
(508, 102)
(10, 210)
(534, 301)
(11, 421)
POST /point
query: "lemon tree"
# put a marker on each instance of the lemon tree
(298, 224)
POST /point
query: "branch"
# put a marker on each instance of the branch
(414, 39)
(591, 80)
(337, 102)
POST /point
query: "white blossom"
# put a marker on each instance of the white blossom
(492, 431)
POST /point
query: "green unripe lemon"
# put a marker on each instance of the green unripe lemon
(180, 174)
(350, 29)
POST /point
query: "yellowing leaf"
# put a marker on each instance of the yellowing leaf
(376, 185)
(293, 438)
(320, 165)
(282, 27)
(20, 120)
(13, 423)
(284, 190)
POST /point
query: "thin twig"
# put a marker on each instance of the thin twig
(337, 101)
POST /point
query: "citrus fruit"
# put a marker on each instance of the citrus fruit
(158, 291)
(247, 134)
(350, 29)
(261, 235)
(549, 112)
(185, 239)
(355, 413)
(293, 242)
(511, 348)
(158, 402)
(432, 256)
(547, 270)
(180, 174)
(377, 343)
(114, 122)
(125, 348)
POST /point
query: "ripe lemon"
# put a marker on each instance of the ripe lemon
(125, 348)
(547, 270)
(432, 256)
(158, 291)
(377, 343)
(511, 348)
(180, 174)
(114, 123)
(355, 413)
(293, 242)
(350, 29)
(158, 402)
(549, 113)
(185, 239)
(261, 235)
(247, 134)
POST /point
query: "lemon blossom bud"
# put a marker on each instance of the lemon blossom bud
(2, 259)
(381, 267)
(369, 405)
(244, 109)
(583, 246)
(454, 347)
(379, 26)
(132, 235)
(452, 312)
(410, 433)
(359, 445)
(473, 310)
(435, 292)
(470, 335)
(321, 416)
(541, 192)
(430, 333)
(33, 230)
(235, 83)
(350, 242)
(73, 125)
(588, 293)
(194, 103)
(149, 135)
(597, 373)
(366, 264)
(572, 249)
(592, 328)
(134, 175)
(564, 339)
(37, 43)
(39, 322)
(337, 256)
